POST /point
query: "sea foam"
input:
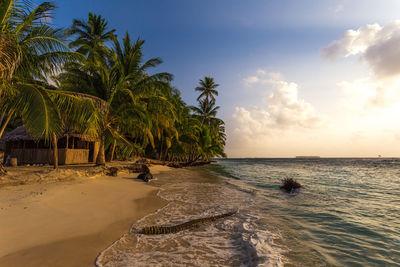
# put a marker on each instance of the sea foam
(239, 240)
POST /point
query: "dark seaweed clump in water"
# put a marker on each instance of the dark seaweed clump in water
(289, 184)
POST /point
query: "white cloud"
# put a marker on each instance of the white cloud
(284, 110)
(287, 125)
(352, 42)
(362, 123)
(287, 109)
(262, 77)
(378, 46)
(250, 80)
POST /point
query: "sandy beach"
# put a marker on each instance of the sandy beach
(68, 223)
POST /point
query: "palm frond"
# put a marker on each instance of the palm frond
(40, 115)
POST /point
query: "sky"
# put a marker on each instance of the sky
(300, 77)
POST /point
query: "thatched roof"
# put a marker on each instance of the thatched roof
(20, 133)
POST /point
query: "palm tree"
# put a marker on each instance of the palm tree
(211, 137)
(31, 50)
(212, 134)
(118, 77)
(101, 82)
(207, 89)
(188, 128)
(206, 111)
(91, 37)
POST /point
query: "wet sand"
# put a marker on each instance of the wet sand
(69, 223)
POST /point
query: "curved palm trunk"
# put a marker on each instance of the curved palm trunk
(205, 115)
(161, 146)
(55, 151)
(3, 127)
(166, 154)
(101, 160)
(110, 153)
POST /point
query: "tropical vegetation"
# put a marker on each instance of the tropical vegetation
(88, 78)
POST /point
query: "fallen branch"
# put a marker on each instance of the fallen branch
(158, 230)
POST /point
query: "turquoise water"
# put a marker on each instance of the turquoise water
(346, 214)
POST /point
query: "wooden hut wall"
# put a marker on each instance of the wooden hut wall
(43, 156)
(75, 156)
(32, 155)
(30, 152)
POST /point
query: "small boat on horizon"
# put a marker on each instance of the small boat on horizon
(308, 157)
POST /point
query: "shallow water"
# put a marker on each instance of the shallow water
(346, 214)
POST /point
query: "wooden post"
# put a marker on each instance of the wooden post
(73, 142)
(55, 152)
(66, 145)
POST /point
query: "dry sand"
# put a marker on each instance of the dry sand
(68, 223)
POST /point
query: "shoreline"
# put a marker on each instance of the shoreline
(69, 223)
(197, 194)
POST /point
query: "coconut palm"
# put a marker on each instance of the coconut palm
(120, 79)
(207, 89)
(30, 51)
(211, 138)
(101, 82)
(206, 111)
(91, 37)
(30, 48)
(137, 111)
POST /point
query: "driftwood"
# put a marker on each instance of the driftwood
(158, 230)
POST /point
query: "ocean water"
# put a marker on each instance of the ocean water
(346, 214)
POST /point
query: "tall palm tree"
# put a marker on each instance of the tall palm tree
(91, 37)
(211, 138)
(149, 93)
(206, 111)
(188, 128)
(100, 81)
(207, 89)
(121, 80)
(30, 51)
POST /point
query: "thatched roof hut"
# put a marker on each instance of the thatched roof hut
(73, 148)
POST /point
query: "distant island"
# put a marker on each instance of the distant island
(308, 157)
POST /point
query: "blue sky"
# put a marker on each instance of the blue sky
(233, 40)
